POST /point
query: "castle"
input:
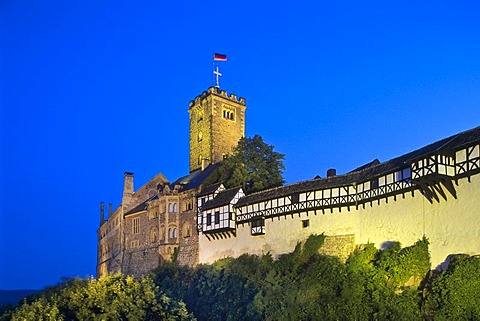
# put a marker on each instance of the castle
(433, 191)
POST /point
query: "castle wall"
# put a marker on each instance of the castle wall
(449, 225)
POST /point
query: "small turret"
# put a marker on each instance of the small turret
(102, 213)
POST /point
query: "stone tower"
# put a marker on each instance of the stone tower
(217, 122)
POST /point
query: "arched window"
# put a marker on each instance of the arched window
(153, 235)
(200, 136)
(174, 207)
(170, 207)
(187, 230)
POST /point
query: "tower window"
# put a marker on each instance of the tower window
(200, 136)
(228, 114)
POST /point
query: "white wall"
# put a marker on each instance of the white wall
(452, 226)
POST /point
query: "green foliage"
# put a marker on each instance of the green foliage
(114, 297)
(211, 292)
(254, 165)
(456, 291)
(40, 310)
(6, 311)
(401, 265)
(302, 285)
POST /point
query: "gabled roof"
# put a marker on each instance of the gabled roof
(370, 170)
(192, 180)
(367, 165)
(222, 198)
(195, 178)
(142, 206)
(209, 189)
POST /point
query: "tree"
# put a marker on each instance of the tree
(254, 165)
(115, 297)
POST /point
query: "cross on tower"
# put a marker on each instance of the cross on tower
(217, 74)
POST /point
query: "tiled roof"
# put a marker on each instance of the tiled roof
(209, 189)
(192, 180)
(222, 198)
(367, 165)
(195, 178)
(142, 206)
(368, 171)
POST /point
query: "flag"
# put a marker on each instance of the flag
(219, 57)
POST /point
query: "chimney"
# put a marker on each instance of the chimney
(127, 189)
(110, 210)
(128, 183)
(102, 213)
(331, 172)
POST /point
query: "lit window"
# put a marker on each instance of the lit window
(200, 136)
(172, 207)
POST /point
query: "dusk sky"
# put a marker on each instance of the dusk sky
(91, 89)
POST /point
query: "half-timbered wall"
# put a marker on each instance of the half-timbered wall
(383, 209)
(221, 218)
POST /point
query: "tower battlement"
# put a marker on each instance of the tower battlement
(217, 92)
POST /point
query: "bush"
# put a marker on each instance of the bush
(456, 291)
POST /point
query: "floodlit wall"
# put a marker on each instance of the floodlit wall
(452, 226)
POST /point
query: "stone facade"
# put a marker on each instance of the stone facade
(430, 192)
(157, 222)
(217, 122)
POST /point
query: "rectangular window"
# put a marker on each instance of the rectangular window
(217, 217)
(136, 225)
(374, 183)
(305, 223)
(209, 219)
(294, 198)
(258, 226)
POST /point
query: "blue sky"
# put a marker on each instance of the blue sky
(91, 89)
